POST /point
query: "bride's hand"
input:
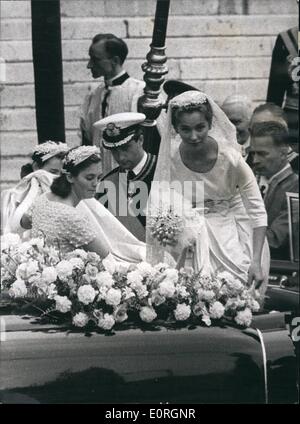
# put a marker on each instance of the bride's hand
(255, 274)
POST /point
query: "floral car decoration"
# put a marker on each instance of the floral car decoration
(87, 290)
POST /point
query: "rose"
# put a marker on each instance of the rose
(166, 288)
(86, 294)
(93, 258)
(49, 274)
(63, 304)
(106, 322)
(104, 278)
(147, 314)
(91, 271)
(64, 270)
(78, 253)
(216, 310)
(18, 289)
(156, 298)
(80, 319)
(113, 297)
(182, 312)
(120, 314)
(110, 264)
(199, 309)
(244, 317)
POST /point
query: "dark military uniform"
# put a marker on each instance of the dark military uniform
(126, 188)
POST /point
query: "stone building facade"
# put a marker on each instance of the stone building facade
(220, 46)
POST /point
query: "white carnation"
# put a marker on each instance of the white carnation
(110, 264)
(18, 289)
(104, 278)
(80, 319)
(134, 277)
(244, 318)
(145, 269)
(106, 322)
(171, 274)
(147, 314)
(86, 294)
(205, 295)
(64, 270)
(234, 303)
(182, 312)
(225, 275)
(102, 293)
(113, 297)
(216, 310)
(128, 293)
(182, 292)
(49, 274)
(140, 289)
(63, 304)
(27, 269)
(77, 263)
(167, 288)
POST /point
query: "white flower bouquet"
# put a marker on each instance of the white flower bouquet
(165, 227)
(86, 291)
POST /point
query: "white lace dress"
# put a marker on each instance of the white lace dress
(62, 226)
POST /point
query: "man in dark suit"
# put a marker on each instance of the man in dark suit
(269, 146)
(125, 189)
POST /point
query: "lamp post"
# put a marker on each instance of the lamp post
(155, 69)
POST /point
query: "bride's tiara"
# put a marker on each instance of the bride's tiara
(188, 99)
(50, 148)
(80, 154)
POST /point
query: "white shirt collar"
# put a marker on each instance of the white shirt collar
(137, 169)
(109, 81)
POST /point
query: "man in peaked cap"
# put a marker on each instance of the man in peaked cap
(125, 189)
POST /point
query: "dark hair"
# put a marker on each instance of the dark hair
(274, 109)
(274, 129)
(61, 186)
(38, 159)
(204, 108)
(26, 169)
(114, 46)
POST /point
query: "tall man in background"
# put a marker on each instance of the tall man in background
(118, 92)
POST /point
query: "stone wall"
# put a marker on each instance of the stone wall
(220, 46)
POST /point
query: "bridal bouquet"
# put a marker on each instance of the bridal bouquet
(86, 290)
(166, 227)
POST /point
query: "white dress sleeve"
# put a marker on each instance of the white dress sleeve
(251, 195)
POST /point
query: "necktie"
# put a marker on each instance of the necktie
(104, 101)
(115, 82)
(130, 175)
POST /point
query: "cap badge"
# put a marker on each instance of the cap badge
(112, 130)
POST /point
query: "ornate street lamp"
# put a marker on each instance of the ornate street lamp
(155, 69)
